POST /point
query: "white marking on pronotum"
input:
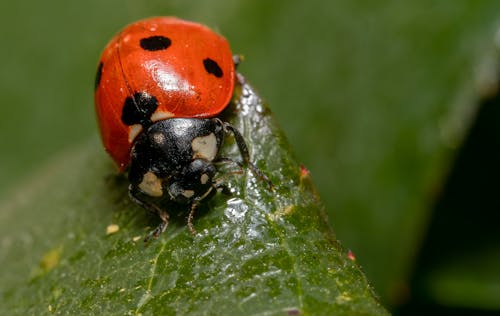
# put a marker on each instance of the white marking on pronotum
(205, 147)
(159, 138)
(161, 115)
(133, 132)
(151, 185)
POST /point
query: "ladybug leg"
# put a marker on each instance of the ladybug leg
(155, 233)
(242, 146)
(194, 206)
(220, 182)
(221, 186)
(226, 160)
(132, 192)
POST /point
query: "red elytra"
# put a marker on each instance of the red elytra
(187, 68)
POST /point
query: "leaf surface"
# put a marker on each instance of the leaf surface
(71, 241)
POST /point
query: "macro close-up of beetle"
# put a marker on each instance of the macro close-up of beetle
(160, 85)
(250, 158)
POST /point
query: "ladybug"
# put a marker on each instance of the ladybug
(160, 85)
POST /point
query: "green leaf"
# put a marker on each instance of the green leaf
(71, 241)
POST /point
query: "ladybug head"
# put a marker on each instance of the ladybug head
(193, 182)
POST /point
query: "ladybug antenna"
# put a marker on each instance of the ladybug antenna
(237, 59)
(242, 146)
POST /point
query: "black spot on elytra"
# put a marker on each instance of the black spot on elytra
(212, 67)
(154, 43)
(138, 109)
(98, 75)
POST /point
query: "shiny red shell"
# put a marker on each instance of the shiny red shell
(185, 66)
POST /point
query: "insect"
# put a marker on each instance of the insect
(160, 85)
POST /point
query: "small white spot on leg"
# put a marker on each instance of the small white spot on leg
(151, 185)
(205, 147)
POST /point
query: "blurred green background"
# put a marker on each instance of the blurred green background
(376, 97)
